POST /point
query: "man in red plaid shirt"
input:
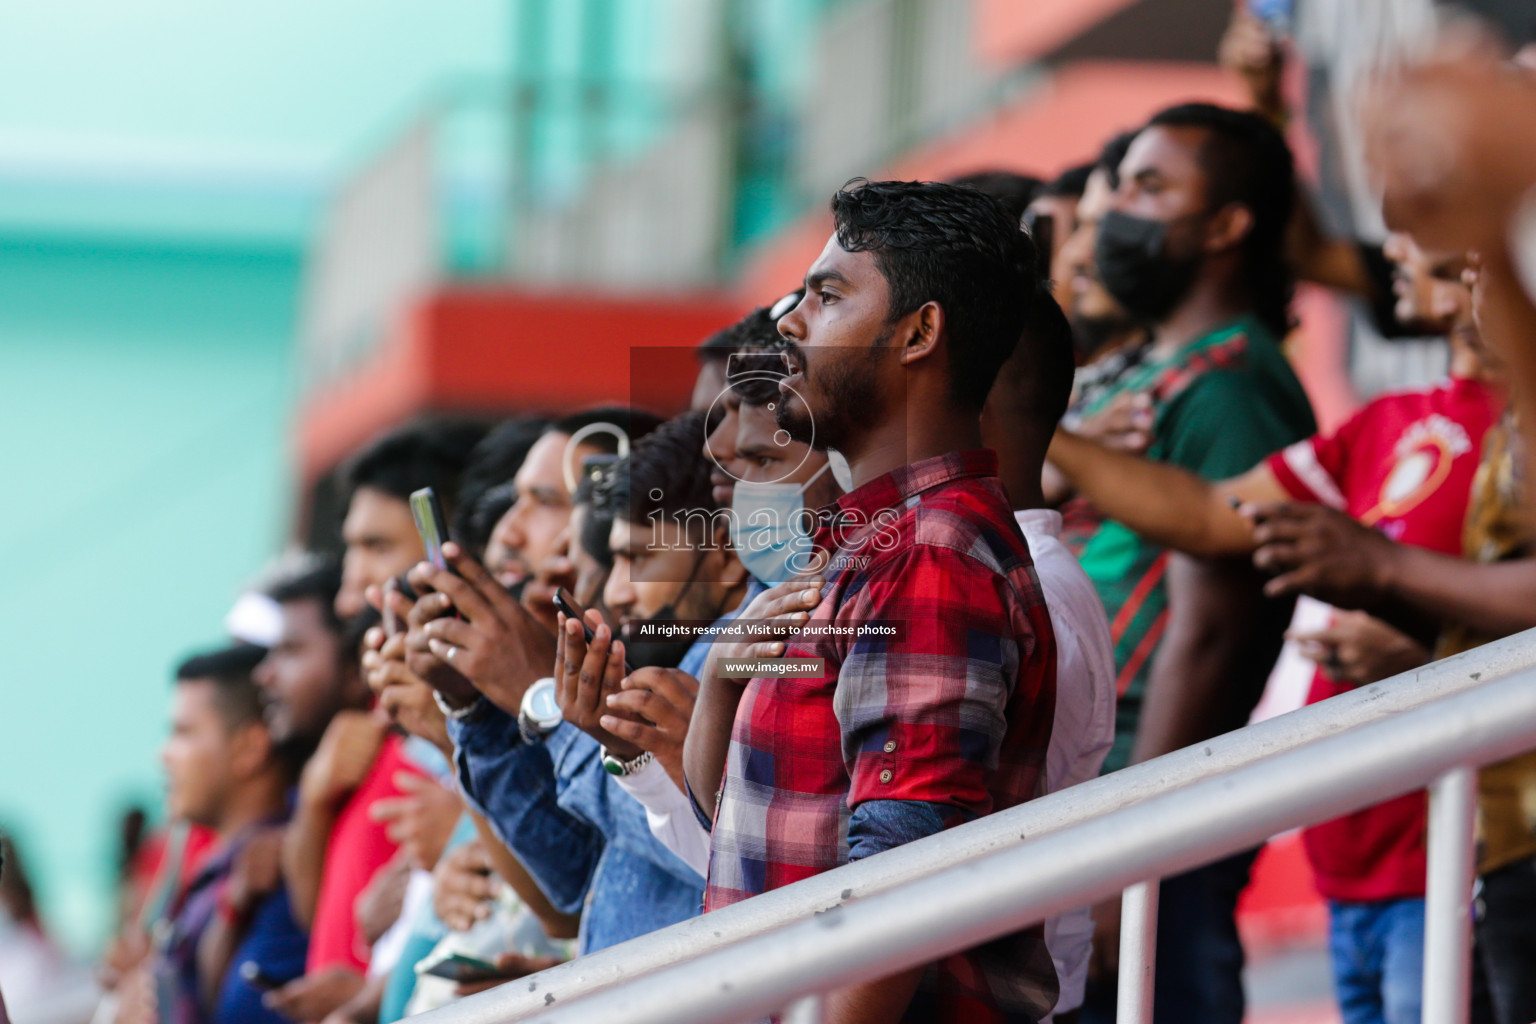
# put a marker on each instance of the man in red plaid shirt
(911, 309)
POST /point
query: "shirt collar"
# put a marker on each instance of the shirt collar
(900, 486)
(1038, 522)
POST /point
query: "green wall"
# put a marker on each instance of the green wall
(146, 406)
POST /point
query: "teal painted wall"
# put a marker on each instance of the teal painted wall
(162, 167)
(146, 404)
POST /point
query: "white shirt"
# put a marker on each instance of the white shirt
(1083, 729)
(669, 814)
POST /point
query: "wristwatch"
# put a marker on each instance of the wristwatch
(613, 766)
(454, 714)
(539, 713)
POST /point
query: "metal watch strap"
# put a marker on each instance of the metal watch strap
(613, 766)
(453, 713)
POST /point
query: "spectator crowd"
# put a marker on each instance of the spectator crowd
(1019, 489)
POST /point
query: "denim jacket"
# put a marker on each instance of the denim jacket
(583, 839)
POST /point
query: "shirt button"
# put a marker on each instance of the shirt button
(890, 745)
(885, 776)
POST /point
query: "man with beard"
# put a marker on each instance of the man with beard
(378, 531)
(224, 772)
(1193, 245)
(530, 532)
(914, 304)
(316, 699)
(1404, 466)
(542, 778)
(1109, 343)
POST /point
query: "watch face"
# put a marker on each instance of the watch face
(542, 704)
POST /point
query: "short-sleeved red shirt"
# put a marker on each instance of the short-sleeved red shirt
(358, 847)
(1403, 465)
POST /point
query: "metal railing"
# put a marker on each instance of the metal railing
(973, 883)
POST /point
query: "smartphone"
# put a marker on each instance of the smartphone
(461, 968)
(564, 602)
(431, 524)
(254, 976)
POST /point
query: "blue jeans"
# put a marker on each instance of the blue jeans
(1378, 960)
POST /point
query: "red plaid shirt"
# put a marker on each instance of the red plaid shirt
(953, 714)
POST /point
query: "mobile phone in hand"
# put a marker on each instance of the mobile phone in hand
(567, 604)
(564, 602)
(461, 968)
(431, 524)
(252, 974)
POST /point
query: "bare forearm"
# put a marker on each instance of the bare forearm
(1165, 504)
(1220, 643)
(557, 925)
(1054, 486)
(304, 847)
(1496, 599)
(363, 1008)
(875, 1002)
(709, 740)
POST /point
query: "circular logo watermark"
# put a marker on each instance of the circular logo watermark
(739, 371)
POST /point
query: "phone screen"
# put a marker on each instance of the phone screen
(564, 602)
(459, 967)
(430, 524)
(567, 604)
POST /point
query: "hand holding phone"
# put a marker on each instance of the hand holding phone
(461, 968)
(566, 604)
(252, 974)
(431, 524)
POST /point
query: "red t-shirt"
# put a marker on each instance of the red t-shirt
(1404, 465)
(357, 849)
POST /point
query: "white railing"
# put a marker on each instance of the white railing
(973, 883)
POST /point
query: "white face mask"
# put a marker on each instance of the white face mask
(771, 528)
(841, 471)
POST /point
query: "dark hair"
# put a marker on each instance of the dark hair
(1113, 154)
(1039, 376)
(635, 423)
(1015, 191)
(757, 360)
(229, 669)
(717, 348)
(431, 452)
(665, 473)
(475, 531)
(1246, 160)
(316, 579)
(493, 462)
(756, 377)
(952, 245)
(1069, 183)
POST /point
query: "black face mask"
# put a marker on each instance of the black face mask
(664, 653)
(657, 653)
(1133, 262)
